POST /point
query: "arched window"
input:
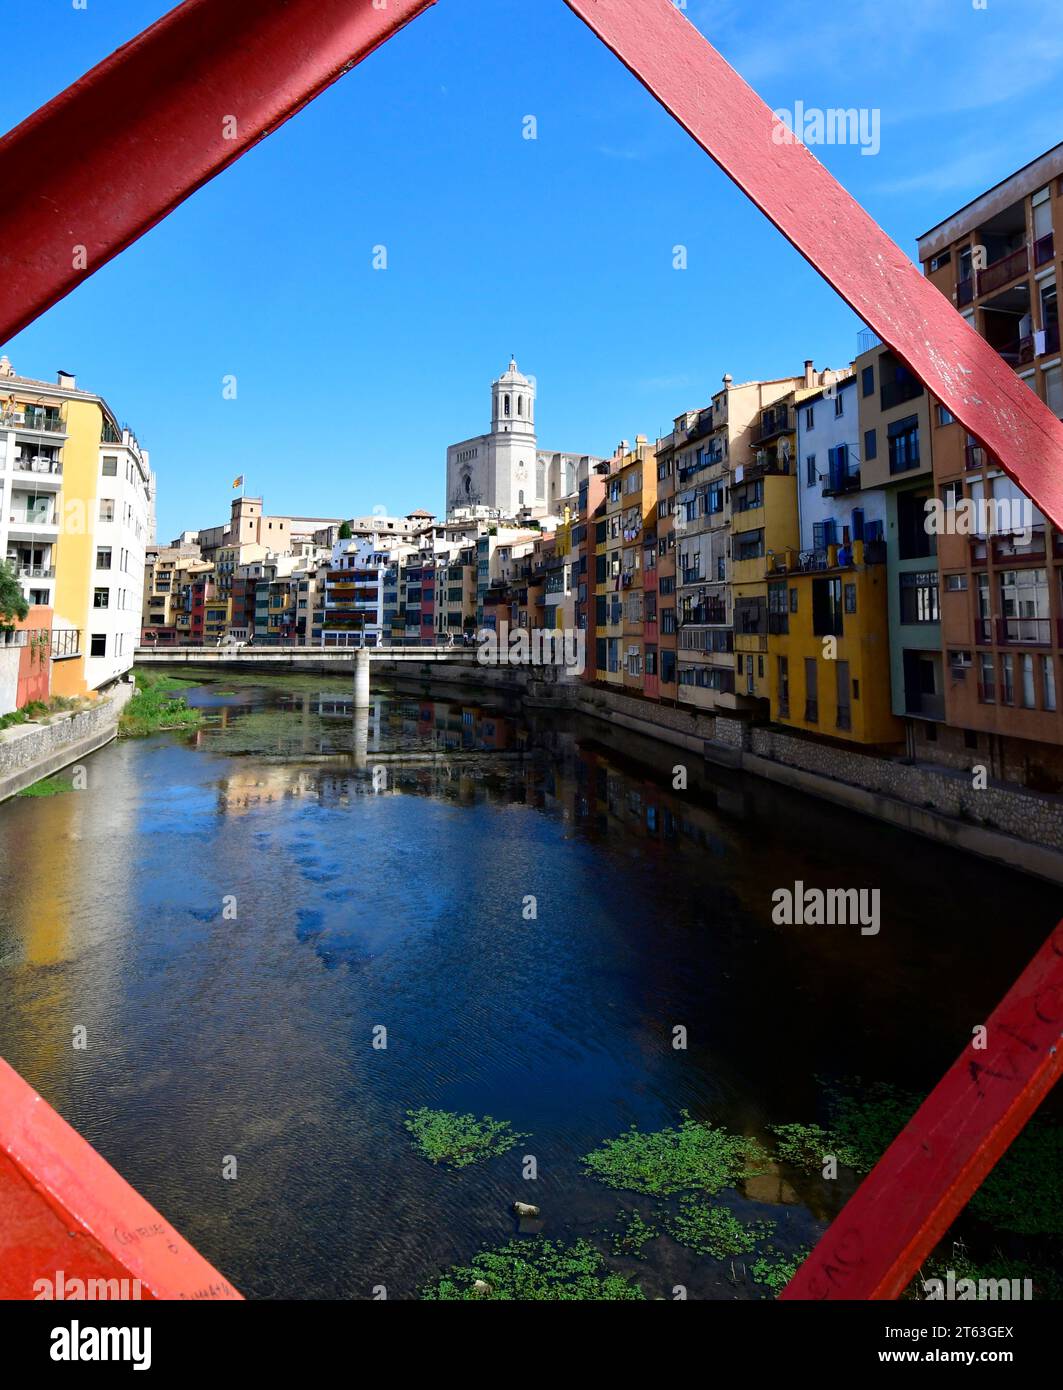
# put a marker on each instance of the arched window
(520, 498)
(520, 405)
(505, 409)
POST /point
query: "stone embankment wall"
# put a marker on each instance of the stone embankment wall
(29, 752)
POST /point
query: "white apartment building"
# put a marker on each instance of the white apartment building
(125, 499)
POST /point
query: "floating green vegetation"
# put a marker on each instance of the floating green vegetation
(806, 1146)
(153, 709)
(535, 1270)
(1023, 1194)
(715, 1231)
(694, 1155)
(631, 1234)
(775, 1270)
(458, 1140)
(48, 786)
(865, 1120)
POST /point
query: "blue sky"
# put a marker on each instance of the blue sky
(351, 382)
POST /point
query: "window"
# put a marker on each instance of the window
(811, 692)
(783, 678)
(101, 598)
(103, 557)
(870, 445)
(827, 607)
(904, 444)
(1007, 679)
(914, 542)
(1048, 682)
(1026, 671)
(793, 600)
(987, 687)
(98, 644)
(959, 664)
(955, 583)
(810, 418)
(839, 405)
(106, 509)
(109, 468)
(810, 471)
(850, 598)
(945, 416)
(867, 379)
(919, 597)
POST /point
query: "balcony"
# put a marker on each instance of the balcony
(38, 464)
(964, 292)
(1025, 632)
(1044, 249)
(778, 624)
(774, 422)
(840, 481)
(32, 421)
(31, 522)
(36, 572)
(1002, 272)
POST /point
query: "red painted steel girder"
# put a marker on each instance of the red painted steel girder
(837, 237)
(879, 1239)
(107, 159)
(63, 1207)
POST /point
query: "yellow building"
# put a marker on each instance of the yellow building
(828, 641)
(763, 523)
(77, 520)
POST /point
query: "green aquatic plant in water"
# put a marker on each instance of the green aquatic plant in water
(806, 1146)
(536, 1270)
(693, 1155)
(715, 1231)
(1024, 1192)
(458, 1140)
(867, 1119)
(153, 710)
(775, 1270)
(631, 1233)
(48, 786)
(1046, 1284)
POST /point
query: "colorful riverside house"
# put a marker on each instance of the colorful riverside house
(663, 629)
(764, 525)
(999, 260)
(76, 509)
(638, 520)
(897, 455)
(828, 616)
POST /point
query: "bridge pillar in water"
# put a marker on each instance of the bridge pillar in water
(361, 679)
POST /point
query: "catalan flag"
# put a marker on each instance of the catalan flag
(238, 482)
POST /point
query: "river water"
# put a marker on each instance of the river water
(379, 874)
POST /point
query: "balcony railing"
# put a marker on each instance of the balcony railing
(1026, 632)
(31, 519)
(36, 572)
(840, 481)
(37, 464)
(772, 423)
(1003, 271)
(1044, 248)
(964, 292)
(38, 421)
(983, 632)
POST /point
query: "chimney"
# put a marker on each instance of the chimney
(810, 372)
(67, 380)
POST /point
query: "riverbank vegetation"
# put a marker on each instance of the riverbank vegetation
(40, 711)
(157, 707)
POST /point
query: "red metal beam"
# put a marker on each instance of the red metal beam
(113, 154)
(836, 236)
(64, 1208)
(876, 1244)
